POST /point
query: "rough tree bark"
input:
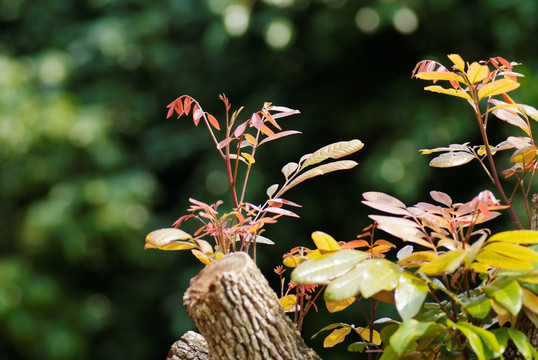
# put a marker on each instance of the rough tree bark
(239, 316)
(523, 323)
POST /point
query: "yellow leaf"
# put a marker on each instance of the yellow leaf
(249, 158)
(325, 242)
(218, 255)
(335, 306)
(336, 336)
(204, 259)
(169, 239)
(439, 75)
(477, 72)
(531, 278)
(494, 259)
(519, 252)
(479, 267)
(251, 139)
(288, 302)
(458, 61)
(503, 316)
(516, 236)
(417, 258)
(452, 92)
(447, 262)
(365, 333)
(523, 155)
(314, 254)
(292, 261)
(497, 87)
(530, 300)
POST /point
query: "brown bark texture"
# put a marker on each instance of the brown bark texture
(191, 346)
(523, 323)
(239, 315)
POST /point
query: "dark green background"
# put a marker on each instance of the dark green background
(89, 164)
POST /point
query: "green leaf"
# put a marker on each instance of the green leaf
(409, 295)
(507, 293)
(321, 170)
(389, 354)
(502, 337)
(334, 151)
(447, 262)
(522, 343)
(326, 267)
(452, 92)
(497, 87)
(483, 342)
(358, 346)
(516, 236)
(408, 331)
(478, 306)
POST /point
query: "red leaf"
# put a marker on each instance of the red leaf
(187, 105)
(213, 121)
(171, 107)
(197, 113)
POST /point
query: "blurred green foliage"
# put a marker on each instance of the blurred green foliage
(88, 165)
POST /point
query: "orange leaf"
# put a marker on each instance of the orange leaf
(197, 113)
(187, 105)
(251, 139)
(213, 121)
(335, 306)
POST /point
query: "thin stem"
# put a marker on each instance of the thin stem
(496, 180)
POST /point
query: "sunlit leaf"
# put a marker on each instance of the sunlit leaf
(334, 151)
(530, 300)
(248, 157)
(325, 242)
(368, 277)
(336, 336)
(169, 239)
(512, 250)
(322, 170)
(441, 197)
(330, 327)
(497, 87)
(404, 252)
(512, 118)
(501, 261)
(530, 111)
(417, 258)
(458, 61)
(251, 139)
(447, 262)
(409, 295)
(289, 169)
(406, 230)
(288, 302)
(335, 306)
(516, 236)
(408, 331)
(365, 333)
(524, 155)
(483, 342)
(203, 258)
(280, 211)
(279, 135)
(451, 159)
(271, 190)
(292, 261)
(478, 306)
(452, 92)
(477, 72)
(439, 75)
(326, 267)
(384, 202)
(507, 293)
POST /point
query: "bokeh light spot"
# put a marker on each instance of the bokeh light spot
(392, 170)
(236, 19)
(405, 21)
(216, 182)
(367, 19)
(279, 33)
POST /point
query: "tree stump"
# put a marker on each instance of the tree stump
(523, 323)
(239, 315)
